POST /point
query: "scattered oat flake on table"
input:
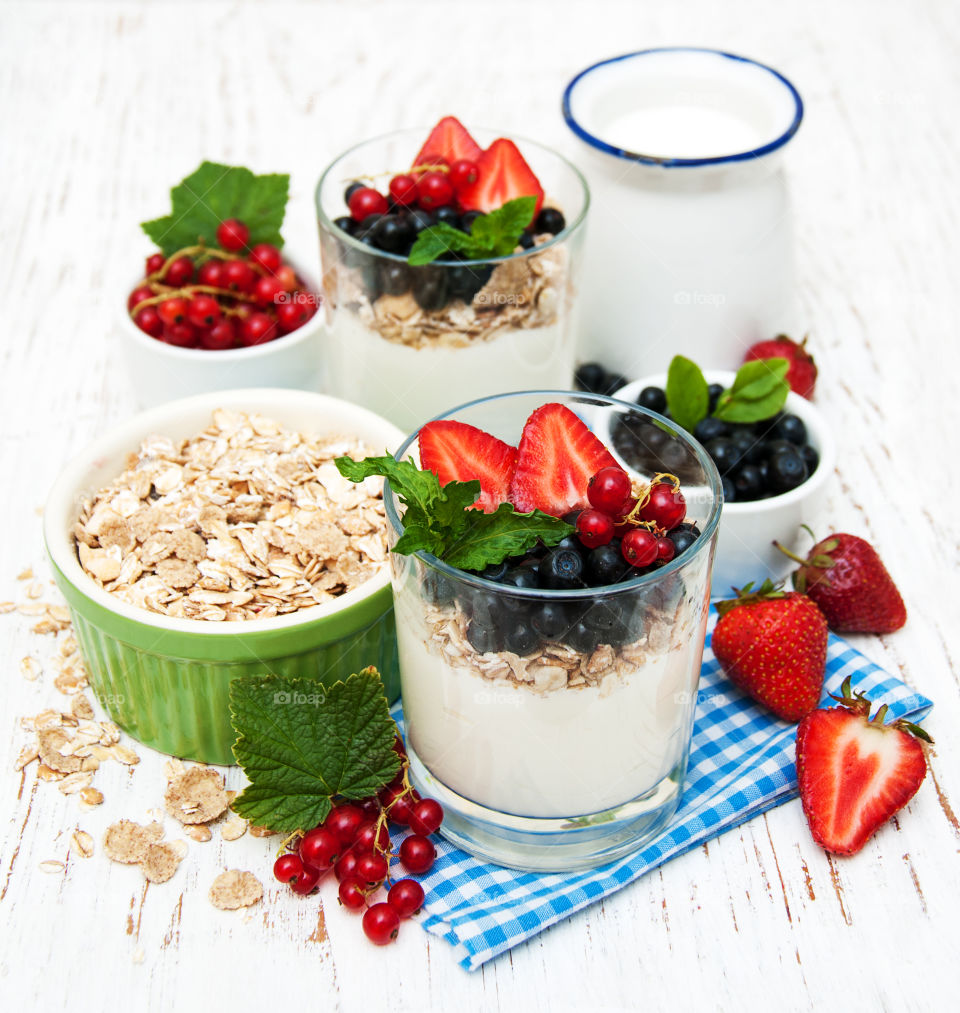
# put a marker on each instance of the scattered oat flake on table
(30, 668)
(160, 862)
(26, 574)
(52, 866)
(27, 755)
(51, 741)
(233, 828)
(80, 707)
(256, 831)
(7, 606)
(90, 798)
(74, 783)
(196, 796)
(198, 832)
(235, 889)
(127, 842)
(83, 842)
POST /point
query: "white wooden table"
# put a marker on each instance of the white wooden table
(105, 106)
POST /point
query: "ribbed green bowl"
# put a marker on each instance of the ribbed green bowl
(167, 681)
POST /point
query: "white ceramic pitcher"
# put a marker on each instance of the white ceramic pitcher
(690, 247)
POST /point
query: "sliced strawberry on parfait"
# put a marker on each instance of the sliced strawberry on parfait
(556, 458)
(502, 175)
(449, 142)
(457, 452)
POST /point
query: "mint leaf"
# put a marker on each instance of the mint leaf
(213, 193)
(415, 487)
(687, 396)
(491, 538)
(759, 391)
(303, 744)
(492, 235)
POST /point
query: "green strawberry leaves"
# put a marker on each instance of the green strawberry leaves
(303, 744)
(438, 519)
(492, 235)
(213, 193)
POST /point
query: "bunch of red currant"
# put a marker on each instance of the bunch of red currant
(354, 841)
(217, 298)
(426, 187)
(640, 520)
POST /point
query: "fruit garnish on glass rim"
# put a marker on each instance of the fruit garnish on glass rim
(491, 235)
(802, 374)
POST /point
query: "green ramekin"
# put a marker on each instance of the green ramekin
(166, 681)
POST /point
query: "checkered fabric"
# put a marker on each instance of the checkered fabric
(741, 764)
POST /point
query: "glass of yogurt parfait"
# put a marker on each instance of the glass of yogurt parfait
(549, 700)
(409, 340)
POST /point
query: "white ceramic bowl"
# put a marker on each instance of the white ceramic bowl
(162, 372)
(745, 549)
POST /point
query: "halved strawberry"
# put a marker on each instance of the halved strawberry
(456, 452)
(448, 142)
(854, 772)
(556, 458)
(502, 175)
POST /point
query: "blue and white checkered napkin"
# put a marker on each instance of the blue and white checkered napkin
(741, 764)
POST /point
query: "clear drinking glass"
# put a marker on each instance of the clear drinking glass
(572, 752)
(407, 342)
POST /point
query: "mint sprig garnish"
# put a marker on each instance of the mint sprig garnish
(438, 519)
(759, 391)
(491, 235)
(212, 194)
(303, 744)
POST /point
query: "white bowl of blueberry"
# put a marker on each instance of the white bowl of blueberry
(773, 469)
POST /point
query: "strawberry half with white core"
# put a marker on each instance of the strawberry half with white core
(457, 452)
(855, 772)
(449, 142)
(556, 458)
(502, 175)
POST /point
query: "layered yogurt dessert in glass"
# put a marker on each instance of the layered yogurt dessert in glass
(408, 340)
(549, 699)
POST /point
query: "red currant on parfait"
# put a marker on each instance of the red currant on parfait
(665, 506)
(639, 547)
(367, 201)
(666, 550)
(594, 528)
(463, 172)
(609, 490)
(434, 191)
(233, 235)
(403, 190)
(381, 923)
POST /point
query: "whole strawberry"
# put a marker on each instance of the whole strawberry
(802, 374)
(854, 773)
(852, 588)
(773, 645)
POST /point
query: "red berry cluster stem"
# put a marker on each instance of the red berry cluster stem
(354, 843)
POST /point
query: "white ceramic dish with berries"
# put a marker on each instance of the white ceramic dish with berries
(745, 549)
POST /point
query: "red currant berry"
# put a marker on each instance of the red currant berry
(344, 821)
(462, 173)
(370, 839)
(154, 262)
(267, 256)
(211, 273)
(418, 853)
(639, 547)
(172, 311)
(346, 866)
(233, 235)
(371, 869)
(222, 335)
(434, 191)
(148, 320)
(306, 883)
(238, 276)
(179, 272)
(352, 895)
(257, 329)
(367, 201)
(182, 335)
(666, 506)
(381, 924)
(398, 803)
(666, 550)
(138, 295)
(287, 277)
(291, 314)
(319, 849)
(406, 897)
(609, 490)
(594, 528)
(403, 190)
(203, 311)
(266, 289)
(426, 817)
(288, 867)
(371, 808)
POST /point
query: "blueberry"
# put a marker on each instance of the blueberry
(745, 444)
(494, 571)
(522, 576)
(367, 229)
(466, 280)
(729, 489)
(562, 569)
(654, 399)
(606, 565)
(724, 453)
(571, 517)
(468, 218)
(525, 242)
(346, 224)
(436, 588)
(581, 638)
(483, 638)
(394, 278)
(571, 542)
(748, 482)
(787, 470)
(393, 233)
(811, 458)
(613, 383)
(549, 220)
(713, 393)
(520, 639)
(590, 376)
(771, 447)
(430, 287)
(682, 540)
(486, 607)
(689, 526)
(351, 189)
(551, 620)
(419, 220)
(711, 429)
(791, 428)
(606, 619)
(448, 214)
(673, 455)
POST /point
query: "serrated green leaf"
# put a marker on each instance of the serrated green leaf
(303, 744)
(213, 193)
(491, 538)
(437, 241)
(499, 231)
(414, 486)
(687, 395)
